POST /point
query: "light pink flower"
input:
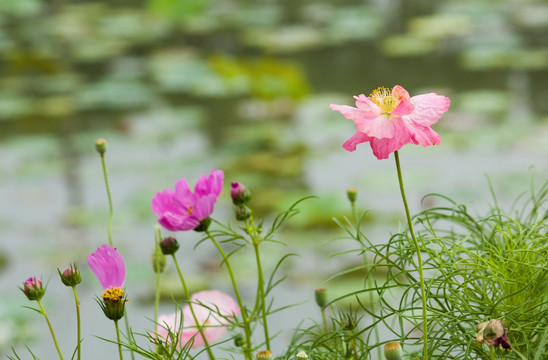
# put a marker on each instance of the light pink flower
(183, 209)
(213, 310)
(389, 119)
(109, 267)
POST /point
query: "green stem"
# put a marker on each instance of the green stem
(324, 319)
(126, 322)
(109, 200)
(191, 306)
(419, 258)
(118, 339)
(157, 237)
(247, 330)
(492, 352)
(260, 286)
(77, 320)
(50, 329)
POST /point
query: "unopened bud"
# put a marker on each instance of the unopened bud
(393, 351)
(169, 245)
(239, 340)
(321, 297)
(101, 146)
(33, 289)
(352, 194)
(71, 276)
(242, 212)
(302, 355)
(264, 355)
(159, 260)
(239, 193)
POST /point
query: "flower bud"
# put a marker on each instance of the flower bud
(349, 323)
(204, 225)
(101, 146)
(159, 260)
(242, 212)
(71, 276)
(302, 355)
(352, 194)
(169, 245)
(33, 289)
(264, 355)
(113, 303)
(239, 340)
(239, 193)
(321, 297)
(392, 350)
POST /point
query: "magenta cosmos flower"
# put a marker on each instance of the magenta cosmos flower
(389, 119)
(213, 309)
(183, 209)
(107, 264)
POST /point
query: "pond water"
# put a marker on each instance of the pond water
(243, 86)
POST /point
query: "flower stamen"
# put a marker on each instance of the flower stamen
(113, 295)
(384, 98)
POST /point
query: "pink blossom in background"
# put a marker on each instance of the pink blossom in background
(213, 310)
(389, 119)
(109, 267)
(183, 209)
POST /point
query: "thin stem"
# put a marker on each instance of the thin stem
(126, 322)
(50, 329)
(77, 320)
(492, 352)
(260, 278)
(324, 319)
(191, 306)
(157, 236)
(247, 330)
(109, 199)
(419, 258)
(118, 338)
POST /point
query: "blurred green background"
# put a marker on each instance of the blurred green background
(180, 87)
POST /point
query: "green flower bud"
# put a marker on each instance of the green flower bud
(239, 340)
(264, 355)
(321, 297)
(33, 289)
(242, 212)
(71, 276)
(159, 260)
(101, 146)
(302, 355)
(239, 193)
(352, 194)
(169, 245)
(393, 351)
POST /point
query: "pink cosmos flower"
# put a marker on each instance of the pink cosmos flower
(183, 209)
(389, 119)
(213, 311)
(107, 264)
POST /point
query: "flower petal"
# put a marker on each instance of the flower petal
(423, 135)
(383, 147)
(404, 108)
(357, 138)
(109, 267)
(428, 108)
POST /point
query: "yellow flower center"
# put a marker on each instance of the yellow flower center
(113, 294)
(189, 211)
(384, 99)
